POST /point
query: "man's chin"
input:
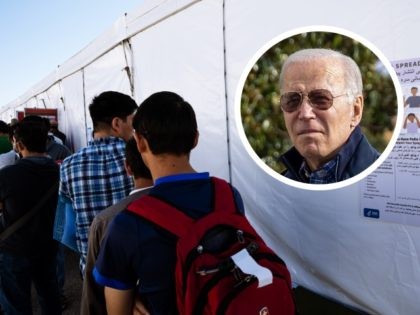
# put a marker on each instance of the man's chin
(311, 156)
(310, 153)
(308, 149)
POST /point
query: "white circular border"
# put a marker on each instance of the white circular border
(307, 29)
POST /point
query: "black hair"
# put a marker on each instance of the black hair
(108, 105)
(134, 160)
(34, 118)
(4, 128)
(33, 134)
(47, 123)
(12, 132)
(167, 122)
(38, 119)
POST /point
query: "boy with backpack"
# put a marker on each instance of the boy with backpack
(145, 251)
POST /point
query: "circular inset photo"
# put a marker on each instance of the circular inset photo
(320, 108)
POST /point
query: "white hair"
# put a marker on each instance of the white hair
(352, 74)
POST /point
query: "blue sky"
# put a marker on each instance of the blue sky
(37, 36)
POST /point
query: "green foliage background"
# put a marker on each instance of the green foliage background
(262, 117)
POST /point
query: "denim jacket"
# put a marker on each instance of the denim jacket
(354, 157)
(64, 230)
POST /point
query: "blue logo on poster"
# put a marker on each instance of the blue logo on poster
(371, 213)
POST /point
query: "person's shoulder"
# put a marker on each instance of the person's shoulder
(368, 150)
(364, 156)
(216, 179)
(17, 169)
(80, 155)
(100, 220)
(116, 143)
(63, 150)
(112, 211)
(7, 169)
(76, 155)
(8, 158)
(124, 222)
(60, 146)
(107, 142)
(19, 163)
(235, 193)
(108, 145)
(122, 214)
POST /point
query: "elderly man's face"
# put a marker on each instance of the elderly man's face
(317, 134)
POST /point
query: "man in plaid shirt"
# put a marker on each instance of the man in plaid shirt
(94, 178)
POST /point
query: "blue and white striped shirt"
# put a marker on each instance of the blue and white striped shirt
(94, 178)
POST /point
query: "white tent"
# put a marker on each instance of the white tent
(199, 49)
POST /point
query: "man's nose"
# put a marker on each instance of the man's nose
(305, 109)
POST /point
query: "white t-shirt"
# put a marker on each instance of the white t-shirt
(412, 127)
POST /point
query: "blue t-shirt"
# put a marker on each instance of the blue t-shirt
(135, 253)
(413, 101)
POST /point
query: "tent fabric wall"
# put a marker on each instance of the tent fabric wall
(152, 12)
(7, 114)
(328, 246)
(106, 73)
(53, 97)
(42, 101)
(171, 62)
(199, 49)
(71, 116)
(32, 103)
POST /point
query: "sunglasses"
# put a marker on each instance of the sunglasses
(318, 99)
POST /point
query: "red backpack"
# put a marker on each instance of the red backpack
(208, 278)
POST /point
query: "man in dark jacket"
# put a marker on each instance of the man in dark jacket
(322, 102)
(28, 255)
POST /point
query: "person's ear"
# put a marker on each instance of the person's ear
(116, 125)
(19, 146)
(357, 111)
(142, 144)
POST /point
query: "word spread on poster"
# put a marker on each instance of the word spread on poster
(392, 192)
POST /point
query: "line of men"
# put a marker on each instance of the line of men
(29, 253)
(130, 267)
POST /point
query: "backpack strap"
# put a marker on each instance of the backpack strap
(175, 221)
(28, 215)
(162, 214)
(223, 196)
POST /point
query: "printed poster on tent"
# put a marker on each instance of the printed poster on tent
(392, 192)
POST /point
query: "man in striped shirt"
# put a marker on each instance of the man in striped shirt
(94, 178)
